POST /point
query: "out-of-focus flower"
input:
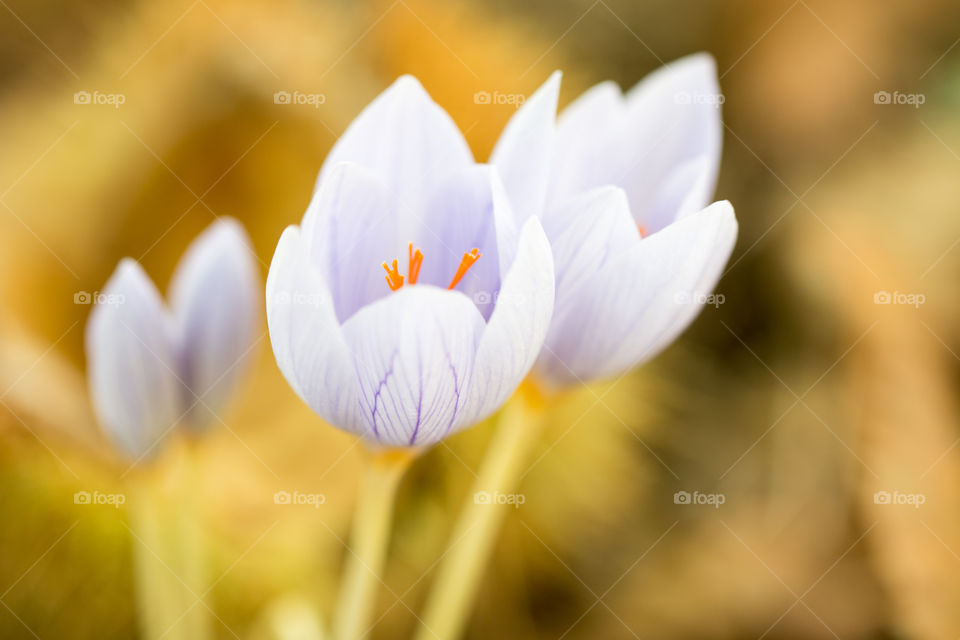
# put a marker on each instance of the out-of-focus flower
(621, 182)
(437, 346)
(152, 367)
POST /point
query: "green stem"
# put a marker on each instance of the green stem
(190, 552)
(158, 592)
(168, 553)
(368, 542)
(458, 577)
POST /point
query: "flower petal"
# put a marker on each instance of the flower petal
(470, 210)
(644, 142)
(131, 362)
(594, 228)
(215, 298)
(673, 117)
(406, 139)
(351, 227)
(591, 148)
(414, 353)
(516, 330)
(307, 340)
(640, 301)
(524, 152)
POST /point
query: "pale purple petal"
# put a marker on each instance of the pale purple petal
(591, 230)
(350, 230)
(414, 352)
(131, 362)
(307, 339)
(215, 297)
(645, 142)
(591, 144)
(524, 152)
(516, 330)
(406, 139)
(640, 301)
(470, 210)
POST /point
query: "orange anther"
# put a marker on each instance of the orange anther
(393, 277)
(468, 259)
(413, 265)
(643, 230)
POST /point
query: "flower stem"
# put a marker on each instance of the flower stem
(458, 577)
(168, 552)
(368, 542)
(158, 593)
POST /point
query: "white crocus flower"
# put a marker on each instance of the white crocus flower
(406, 356)
(152, 366)
(620, 183)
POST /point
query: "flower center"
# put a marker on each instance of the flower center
(415, 260)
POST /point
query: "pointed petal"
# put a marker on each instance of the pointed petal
(598, 227)
(639, 302)
(215, 296)
(524, 152)
(516, 330)
(673, 117)
(406, 139)
(414, 352)
(591, 149)
(131, 362)
(351, 227)
(307, 339)
(470, 210)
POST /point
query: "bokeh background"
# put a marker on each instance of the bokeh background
(797, 399)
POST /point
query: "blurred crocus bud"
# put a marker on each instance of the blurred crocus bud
(152, 367)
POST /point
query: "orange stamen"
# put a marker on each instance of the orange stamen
(413, 265)
(468, 259)
(643, 230)
(393, 277)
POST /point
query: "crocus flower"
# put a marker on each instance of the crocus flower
(621, 183)
(152, 367)
(408, 304)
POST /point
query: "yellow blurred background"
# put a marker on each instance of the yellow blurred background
(798, 399)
